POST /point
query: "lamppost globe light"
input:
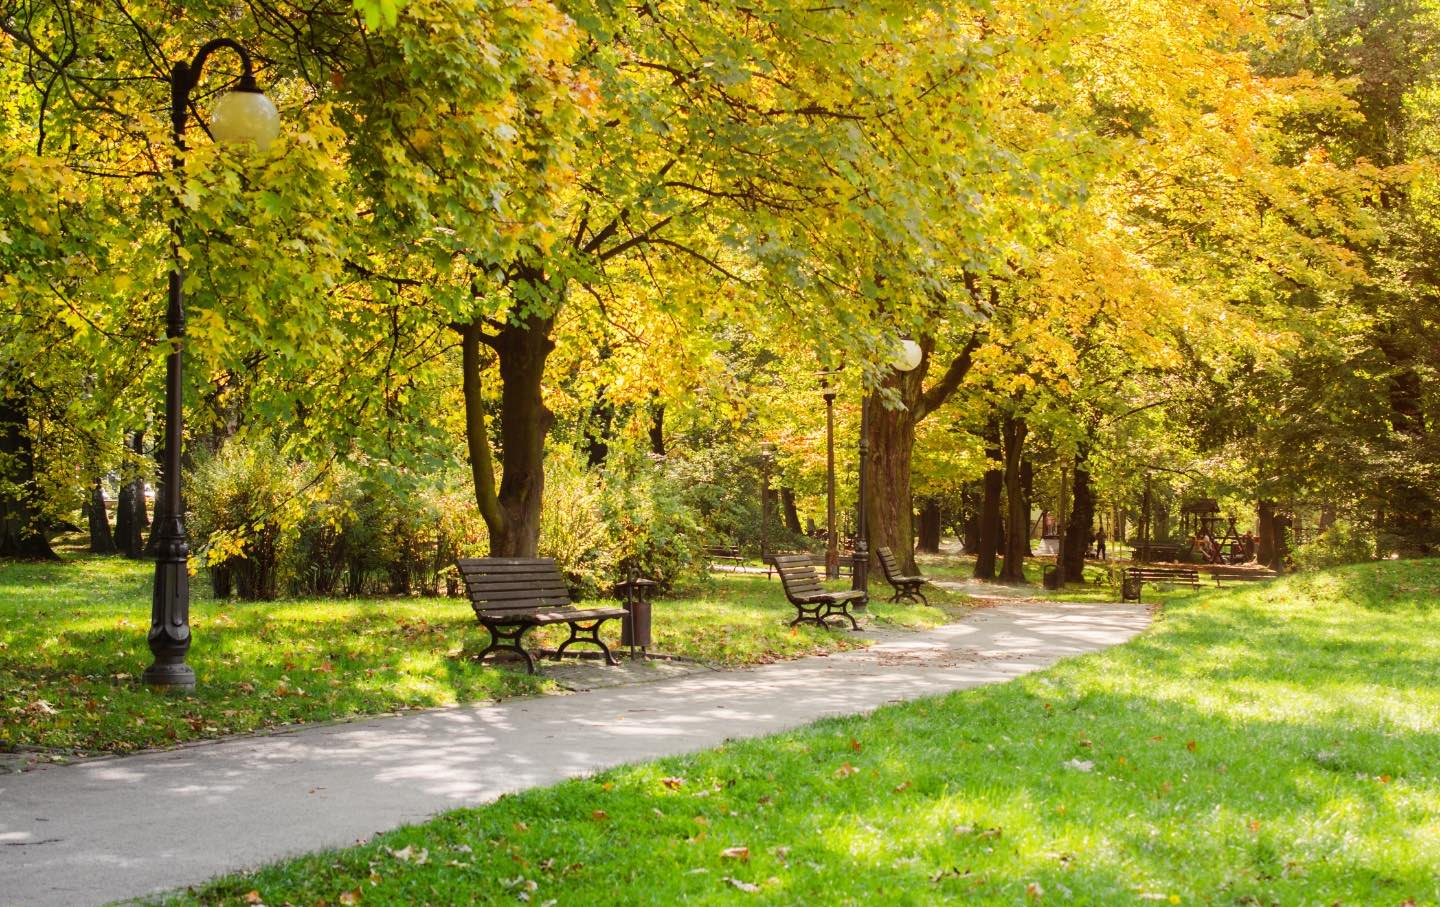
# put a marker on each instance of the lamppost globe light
(245, 115)
(906, 356)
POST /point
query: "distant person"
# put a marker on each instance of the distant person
(1100, 543)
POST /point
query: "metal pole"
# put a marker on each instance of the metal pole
(860, 579)
(832, 542)
(169, 636)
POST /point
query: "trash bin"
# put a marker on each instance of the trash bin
(1130, 588)
(1052, 577)
(635, 625)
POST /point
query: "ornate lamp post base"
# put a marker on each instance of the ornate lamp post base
(170, 619)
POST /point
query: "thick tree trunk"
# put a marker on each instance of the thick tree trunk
(101, 541)
(1017, 539)
(892, 439)
(787, 507)
(988, 542)
(21, 531)
(524, 423)
(1265, 532)
(1081, 526)
(968, 530)
(930, 525)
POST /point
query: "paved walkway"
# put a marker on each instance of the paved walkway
(126, 827)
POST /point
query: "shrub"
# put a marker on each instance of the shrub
(1341, 543)
(244, 508)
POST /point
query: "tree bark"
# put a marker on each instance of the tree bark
(1081, 526)
(101, 541)
(930, 525)
(1018, 520)
(1027, 489)
(787, 506)
(988, 541)
(889, 505)
(1265, 532)
(525, 422)
(21, 531)
(657, 429)
(889, 513)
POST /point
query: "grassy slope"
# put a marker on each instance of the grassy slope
(72, 643)
(1264, 745)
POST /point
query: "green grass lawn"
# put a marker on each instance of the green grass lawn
(72, 647)
(1267, 745)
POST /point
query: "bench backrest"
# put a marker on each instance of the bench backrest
(499, 584)
(888, 563)
(797, 575)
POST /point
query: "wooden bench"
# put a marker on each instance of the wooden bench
(907, 588)
(1242, 576)
(725, 553)
(511, 595)
(802, 587)
(1169, 575)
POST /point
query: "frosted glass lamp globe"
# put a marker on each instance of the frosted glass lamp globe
(907, 356)
(245, 115)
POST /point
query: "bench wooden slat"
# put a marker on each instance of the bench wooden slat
(503, 590)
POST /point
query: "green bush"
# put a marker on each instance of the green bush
(1342, 543)
(245, 504)
(573, 527)
(655, 530)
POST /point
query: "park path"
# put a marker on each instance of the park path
(122, 828)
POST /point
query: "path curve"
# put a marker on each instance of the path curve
(127, 827)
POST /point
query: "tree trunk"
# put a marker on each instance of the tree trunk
(892, 440)
(599, 429)
(21, 531)
(930, 524)
(1081, 525)
(657, 429)
(524, 423)
(787, 506)
(968, 530)
(988, 541)
(1017, 539)
(1027, 490)
(1265, 532)
(101, 541)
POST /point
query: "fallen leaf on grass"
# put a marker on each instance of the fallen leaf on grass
(902, 787)
(672, 783)
(1033, 890)
(736, 853)
(350, 897)
(742, 885)
(855, 744)
(253, 897)
(845, 770)
(599, 815)
(1080, 765)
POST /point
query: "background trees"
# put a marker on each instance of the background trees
(1128, 236)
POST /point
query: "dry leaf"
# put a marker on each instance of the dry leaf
(599, 815)
(845, 770)
(742, 885)
(350, 897)
(736, 853)
(902, 787)
(253, 897)
(1033, 890)
(855, 744)
(672, 783)
(1190, 745)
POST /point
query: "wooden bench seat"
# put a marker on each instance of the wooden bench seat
(813, 602)
(1167, 575)
(907, 588)
(512, 595)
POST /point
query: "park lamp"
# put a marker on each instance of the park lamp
(245, 115)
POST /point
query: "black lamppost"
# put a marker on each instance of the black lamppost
(832, 541)
(906, 357)
(242, 115)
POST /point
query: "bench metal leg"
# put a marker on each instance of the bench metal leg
(808, 616)
(581, 633)
(512, 641)
(843, 611)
